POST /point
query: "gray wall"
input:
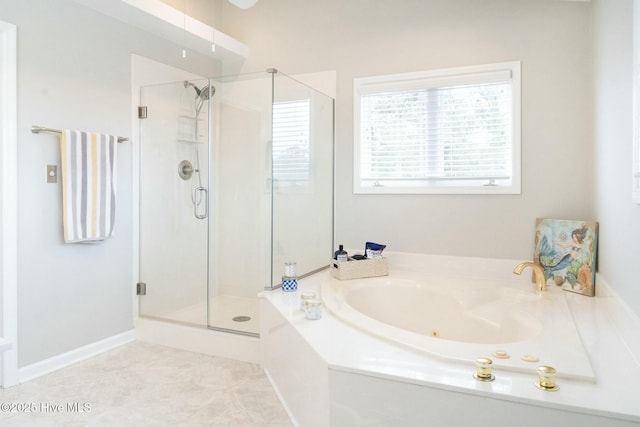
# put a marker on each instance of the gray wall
(363, 38)
(619, 257)
(74, 72)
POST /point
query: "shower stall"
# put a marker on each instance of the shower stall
(236, 178)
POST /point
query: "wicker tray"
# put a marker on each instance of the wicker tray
(357, 269)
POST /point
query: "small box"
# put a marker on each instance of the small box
(357, 269)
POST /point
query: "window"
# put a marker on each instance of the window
(454, 131)
(291, 129)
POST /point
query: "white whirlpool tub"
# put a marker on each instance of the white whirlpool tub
(509, 321)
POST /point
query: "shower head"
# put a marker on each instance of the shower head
(203, 93)
(207, 92)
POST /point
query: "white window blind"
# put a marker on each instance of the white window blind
(291, 129)
(448, 131)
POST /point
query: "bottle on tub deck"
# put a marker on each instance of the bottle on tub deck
(290, 277)
(341, 255)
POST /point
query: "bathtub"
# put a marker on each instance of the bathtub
(462, 319)
(366, 362)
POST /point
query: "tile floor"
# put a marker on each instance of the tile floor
(141, 384)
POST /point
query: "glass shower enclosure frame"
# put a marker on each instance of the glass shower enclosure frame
(236, 178)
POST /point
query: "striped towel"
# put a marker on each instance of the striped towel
(88, 185)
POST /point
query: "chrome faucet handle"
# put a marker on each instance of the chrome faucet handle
(538, 273)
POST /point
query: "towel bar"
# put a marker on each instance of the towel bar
(38, 129)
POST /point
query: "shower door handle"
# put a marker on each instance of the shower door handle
(201, 194)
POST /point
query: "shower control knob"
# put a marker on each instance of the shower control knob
(185, 169)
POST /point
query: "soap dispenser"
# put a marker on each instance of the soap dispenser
(341, 255)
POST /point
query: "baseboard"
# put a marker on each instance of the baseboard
(63, 360)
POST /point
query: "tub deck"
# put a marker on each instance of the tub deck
(328, 364)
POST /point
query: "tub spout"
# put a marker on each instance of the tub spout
(541, 281)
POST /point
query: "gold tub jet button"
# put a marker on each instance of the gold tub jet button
(529, 358)
(501, 354)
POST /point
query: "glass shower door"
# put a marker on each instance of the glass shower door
(302, 171)
(174, 201)
(241, 201)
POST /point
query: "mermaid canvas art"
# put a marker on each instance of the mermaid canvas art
(566, 251)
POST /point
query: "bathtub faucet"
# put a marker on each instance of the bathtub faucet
(541, 281)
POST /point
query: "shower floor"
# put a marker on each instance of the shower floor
(223, 310)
